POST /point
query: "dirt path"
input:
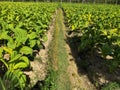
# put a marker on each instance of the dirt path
(66, 75)
(78, 81)
(58, 55)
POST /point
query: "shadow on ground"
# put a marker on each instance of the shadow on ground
(91, 64)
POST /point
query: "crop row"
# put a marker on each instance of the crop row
(98, 27)
(22, 31)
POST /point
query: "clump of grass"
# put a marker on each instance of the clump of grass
(57, 78)
(111, 86)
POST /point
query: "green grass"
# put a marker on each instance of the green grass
(60, 55)
(111, 86)
(58, 78)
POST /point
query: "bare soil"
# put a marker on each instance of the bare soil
(40, 64)
(91, 67)
(85, 71)
(78, 81)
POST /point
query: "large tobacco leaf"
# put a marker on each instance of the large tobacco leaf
(26, 50)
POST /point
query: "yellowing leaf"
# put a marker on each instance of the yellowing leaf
(73, 27)
(9, 50)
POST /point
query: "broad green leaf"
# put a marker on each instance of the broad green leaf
(14, 53)
(20, 65)
(32, 43)
(11, 45)
(23, 62)
(15, 59)
(26, 50)
(20, 36)
(32, 35)
(44, 26)
(25, 59)
(38, 42)
(11, 26)
(4, 35)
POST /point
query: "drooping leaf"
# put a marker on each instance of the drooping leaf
(2, 86)
(15, 59)
(15, 79)
(22, 63)
(9, 50)
(22, 79)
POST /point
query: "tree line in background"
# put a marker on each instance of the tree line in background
(75, 1)
(95, 1)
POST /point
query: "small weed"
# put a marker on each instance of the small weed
(111, 86)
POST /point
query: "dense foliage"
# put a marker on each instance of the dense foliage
(74, 1)
(98, 27)
(22, 31)
(23, 28)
